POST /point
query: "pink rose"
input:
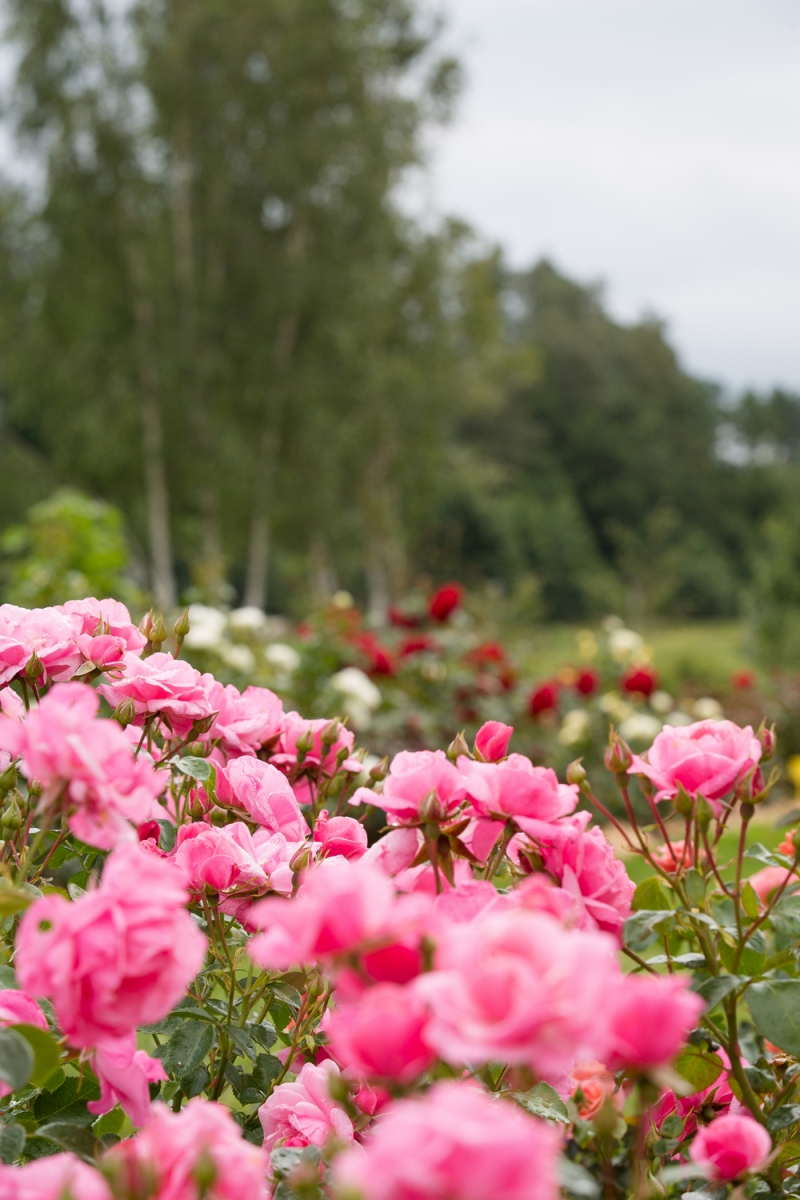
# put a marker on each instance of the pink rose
(511, 987)
(54, 1178)
(593, 1085)
(515, 787)
(584, 863)
(321, 756)
(339, 835)
(64, 744)
(232, 861)
(730, 1146)
(707, 758)
(125, 1075)
(491, 740)
(118, 957)
(395, 851)
(453, 1143)
(412, 777)
(264, 794)
(11, 705)
(768, 880)
(162, 686)
(46, 632)
(106, 617)
(18, 1008)
(246, 719)
(342, 908)
(650, 1018)
(379, 1035)
(304, 1113)
(717, 1097)
(539, 894)
(175, 1150)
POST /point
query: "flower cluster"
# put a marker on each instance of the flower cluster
(239, 963)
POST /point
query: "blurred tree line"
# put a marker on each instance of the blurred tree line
(215, 316)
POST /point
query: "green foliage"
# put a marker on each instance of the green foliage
(69, 547)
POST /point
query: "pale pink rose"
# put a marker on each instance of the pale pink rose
(768, 880)
(60, 1177)
(511, 987)
(717, 1098)
(232, 861)
(46, 632)
(247, 720)
(413, 776)
(593, 1084)
(304, 1113)
(583, 863)
(707, 759)
(118, 957)
(264, 794)
(162, 686)
(174, 1149)
(18, 1008)
(730, 1146)
(65, 745)
(321, 757)
(540, 894)
(11, 705)
(491, 740)
(14, 653)
(339, 835)
(106, 617)
(464, 902)
(125, 1074)
(342, 908)
(379, 1035)
(395, 851)
(650, 1018)
(515, 787)
(422, 879)
(453, 1143)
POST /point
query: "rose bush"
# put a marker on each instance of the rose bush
(237, 962)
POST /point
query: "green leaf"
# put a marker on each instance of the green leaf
(8, 978)
(75, 1138)
(110, 1122)
(640, 929)
(700, 1068)
(186, 1049)
(692, 962)
(281, 1014)
(12, 1141)
(750, 901)
(753, 956)
(785, 917)
(716, 988)
(768, 857)
(16, 1059)
(287, 993)
(193, 1085)
(46, 1052)
(652, 894)
(695, 887)
(783, 1117)
(169, 833)
(263, 1033)
(14, 899)
(265, 1070)
(788, 1153)
(775, 1008)
(68, 1101)
(195, 768)
(242, 1041)
(543, 1101)
(576, 1180)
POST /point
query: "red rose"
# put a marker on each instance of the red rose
(445, 601)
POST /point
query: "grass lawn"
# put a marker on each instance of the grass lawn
(703, 654)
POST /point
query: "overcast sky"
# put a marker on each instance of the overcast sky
(651, 144)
